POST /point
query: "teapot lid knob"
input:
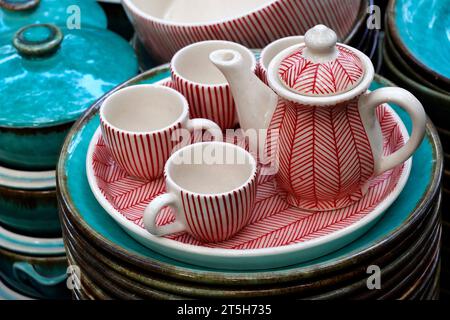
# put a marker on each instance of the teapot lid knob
(320, 44)
(38, 40)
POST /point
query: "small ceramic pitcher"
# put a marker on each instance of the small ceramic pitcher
(330, 143)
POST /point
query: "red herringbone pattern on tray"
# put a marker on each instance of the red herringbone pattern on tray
(273, 221)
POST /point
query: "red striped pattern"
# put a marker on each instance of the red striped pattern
(217, 218)
(325, 157)
(215, 103)
(141, 155)
(273, 221)
(280, 19)
(307, 77)
(261, 72)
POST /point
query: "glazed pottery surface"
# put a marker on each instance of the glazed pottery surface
(402, 65)
(404, 252)
(43, 277)
(9, 294)
(328, 141)
(79, 204)
(28, 202)
(297, 236)
(261, 23)
(418, 26)
(59, 12)
(31, 246)
(72, 78)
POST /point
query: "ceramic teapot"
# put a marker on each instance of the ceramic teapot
(329, 141)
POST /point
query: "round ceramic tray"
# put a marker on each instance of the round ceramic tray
(409, 23)
(259, 245)
(80, 207)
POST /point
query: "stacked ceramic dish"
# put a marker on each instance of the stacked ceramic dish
(416, 57)
(276, 240)
(49, 78)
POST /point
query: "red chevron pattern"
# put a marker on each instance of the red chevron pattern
(280, 19)
(217, 218)
(325, 157)
(141, 155)
(332, 77)
(215, 103)
(273, 221)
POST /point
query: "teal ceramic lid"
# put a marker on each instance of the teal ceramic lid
(423, 27)
(51, 75)
(15, 14)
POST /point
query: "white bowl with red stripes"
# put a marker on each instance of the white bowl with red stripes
(277, 234)
(164, 27)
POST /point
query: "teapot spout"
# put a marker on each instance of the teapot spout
(255, 101)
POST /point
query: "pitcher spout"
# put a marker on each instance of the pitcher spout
(255, 101)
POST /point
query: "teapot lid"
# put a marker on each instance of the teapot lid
(51, 75)
(321, 67)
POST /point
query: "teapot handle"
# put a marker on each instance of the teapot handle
(370, 101)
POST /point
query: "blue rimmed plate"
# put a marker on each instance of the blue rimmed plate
(421, 30)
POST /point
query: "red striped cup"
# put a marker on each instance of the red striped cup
(204, 86)
(142, 125)
(212, 188)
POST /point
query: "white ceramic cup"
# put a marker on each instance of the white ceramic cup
(212, 188)
(142, 125)
(204, 86)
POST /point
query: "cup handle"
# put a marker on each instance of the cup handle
(205, 124)
(370, 101)
(152, 211)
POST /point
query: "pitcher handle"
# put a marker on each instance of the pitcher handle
(408, 102)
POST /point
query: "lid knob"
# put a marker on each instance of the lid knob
(38, 40)
(320, 44)
(19, 5)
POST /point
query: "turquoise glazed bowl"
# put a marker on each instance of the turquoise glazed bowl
(28, 202)
(15, 14)
(421, 30)
(79, 206)
(37, 277)
(50, 75)
(436, 104)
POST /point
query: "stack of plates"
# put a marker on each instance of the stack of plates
(33, 126)
(403, 244)
(416, 57)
